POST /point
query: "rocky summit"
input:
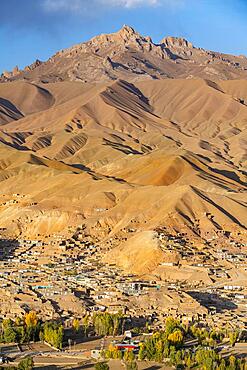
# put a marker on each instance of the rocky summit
(128, 55)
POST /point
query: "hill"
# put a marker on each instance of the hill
(155, 152)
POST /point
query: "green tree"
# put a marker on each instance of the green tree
(132, 365)
(21, 334)
(233, 337)
(53, 334)
(172, 355)
(166, 351)
(129, 356)
(206, 358)
(222, 365)
(113, 352)
(212, 342)
(107, 324)
(9, 335)
(189, 361)
(18, 321)
(101, 366)
(233, 363)
(142, 352)
(85, 323)
(117, 320)
(178, 358)
(7, 323)
(26, 364)
(159, 346)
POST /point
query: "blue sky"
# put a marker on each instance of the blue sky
(36, 29)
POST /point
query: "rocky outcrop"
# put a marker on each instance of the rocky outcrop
(177, 42)
(34, 65)
(13, 73)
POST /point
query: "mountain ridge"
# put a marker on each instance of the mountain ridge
(128, 55)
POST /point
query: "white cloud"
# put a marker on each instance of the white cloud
(130, 3)
(82, 5)
(136, 3)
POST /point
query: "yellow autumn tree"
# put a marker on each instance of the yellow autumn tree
(76, 325)
(176, 337)
(31, 319)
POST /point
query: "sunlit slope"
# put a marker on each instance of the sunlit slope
(150, 153)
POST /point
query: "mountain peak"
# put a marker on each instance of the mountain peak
(127, 33)
(127, 30)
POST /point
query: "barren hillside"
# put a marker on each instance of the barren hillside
(157, 152)
(125, 153)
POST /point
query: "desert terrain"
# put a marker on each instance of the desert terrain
(123, 180)
(153, 152)
(128, 153)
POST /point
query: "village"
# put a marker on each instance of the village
(66, 278)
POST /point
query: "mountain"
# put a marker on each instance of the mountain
(117, 154)
(128, 55)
